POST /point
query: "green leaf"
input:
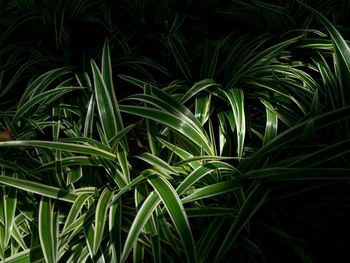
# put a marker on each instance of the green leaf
(209, 238)
(183, 154)
(213, 190)
(100, 218)
(342, 55)
(331, 152)
(75, 210)
(297, 174)
(271, 123)
(69, 147)
(177, 213)
(199, 87)
(77, 225)
(29, 255)
(115, 229)
(110, 120)
(253, 202)
(89, 119)
(18, 236)
(144, 213)
(171, 121)
(141, 84)
(203, 158)
(138, 252)
(200, 172)
(180, 55)
(157, 162)
(204, 211)
(106, 70)
(41, 189)
(152, 128)
(47, 96)
(202, 108)
(48, 225)
(236, 100)
(292, 134)
(38, 85)
(10, 202)
(168, 104)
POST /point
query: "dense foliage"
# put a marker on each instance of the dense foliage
(174, 131)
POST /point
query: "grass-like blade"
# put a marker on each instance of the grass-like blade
(106, 109)
(209, 238)
(203, 158)
(168, 104)
(48, 225)
(177, 213)
(342, 55)
(100, 218)
(38, 85)
(183, 154)
(236, 100)
(253, 202)
(75, 210)
(199, 87)
(200, 172)
(293, 134)
(69, 147)
(106, 71)
(171, 121)
(157, 162)
(89, 118)
(202, 108)
(180, 55)
(271, 123)
(40, 189)
(29, 255)
(47, 96)
(115, 230)
(144, 213)
(331, 152)
(9, 203)
(213, 190)
(297, 174)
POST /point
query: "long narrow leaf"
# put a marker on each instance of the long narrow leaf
(253, 202)
(271, 123)
(105, 106)
(213, 190)
(106, 71)
(10, 202)
(100, 218)
(201, 172)
(29, 255)
(41, 189)
(69, 147)
(29, 105)
(177, 213)
(171, 121)
(293, 134)
(156, 161)
(48, 230)
(236, 99)
(146, 210)
(342, 55)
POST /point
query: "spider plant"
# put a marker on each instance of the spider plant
(232, 153)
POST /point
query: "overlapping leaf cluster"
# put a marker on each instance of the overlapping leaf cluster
(194, 165)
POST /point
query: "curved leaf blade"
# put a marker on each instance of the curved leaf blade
(177, 213)
(48, 225)
(44, 190)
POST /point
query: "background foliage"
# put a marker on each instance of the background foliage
(174, 131)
